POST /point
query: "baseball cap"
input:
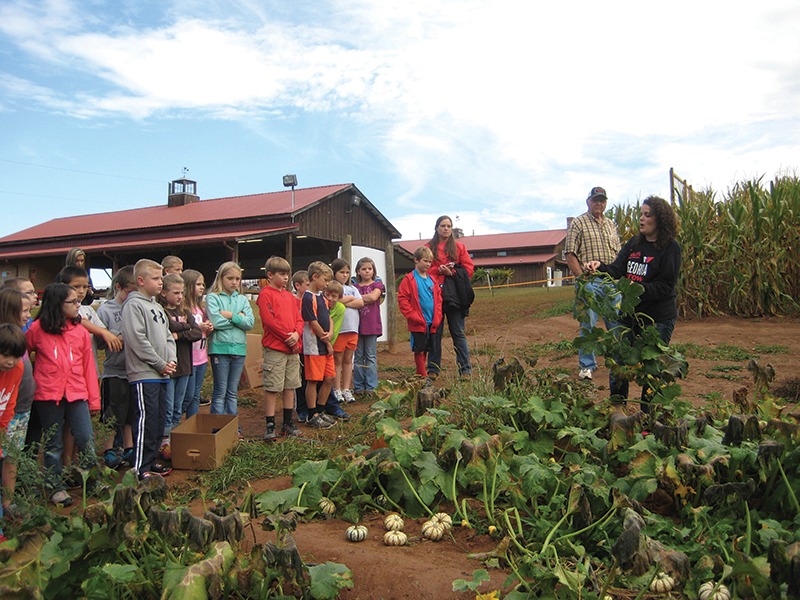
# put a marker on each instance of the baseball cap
(597, 191)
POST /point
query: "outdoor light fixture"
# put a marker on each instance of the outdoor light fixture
(290, 181)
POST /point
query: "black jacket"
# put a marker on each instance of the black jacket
(457, 290)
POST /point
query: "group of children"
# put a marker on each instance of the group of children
(334, 323)
(160, 330)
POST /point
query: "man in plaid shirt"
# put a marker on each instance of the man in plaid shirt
(591, 236)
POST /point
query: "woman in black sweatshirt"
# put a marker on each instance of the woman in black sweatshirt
(653, 259)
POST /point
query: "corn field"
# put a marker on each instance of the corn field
(741, 254)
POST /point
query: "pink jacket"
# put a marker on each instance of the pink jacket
(64, 365)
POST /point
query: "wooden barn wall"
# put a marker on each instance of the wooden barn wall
(334, 218)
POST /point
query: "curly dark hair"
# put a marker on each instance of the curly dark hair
(666, 222)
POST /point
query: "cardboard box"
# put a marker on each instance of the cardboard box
(252, 375)
(203, 441)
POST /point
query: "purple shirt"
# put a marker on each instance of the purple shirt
(370, 323)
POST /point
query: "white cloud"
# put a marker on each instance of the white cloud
(494, 104)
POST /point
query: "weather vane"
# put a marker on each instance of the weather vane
(185, 171)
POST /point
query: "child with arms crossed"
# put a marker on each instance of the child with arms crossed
(347, 340)
(370, 327)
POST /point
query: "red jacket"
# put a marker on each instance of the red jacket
(64, 365)
(463, 259)
(9, 388)
(280, 317)
(408, 299)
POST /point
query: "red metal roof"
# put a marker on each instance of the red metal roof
(507, 261)
(501, 241)
(148, 242)
(219, 209)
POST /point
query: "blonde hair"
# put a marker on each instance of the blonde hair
(423, 252)
(171, 279)
(190, 279)
(319, 268)
(144, 266)
(299, 277)
(224, 269)
(171, 262)
(277, 264)
(335, 287)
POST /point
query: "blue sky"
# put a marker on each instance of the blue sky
(501, 113)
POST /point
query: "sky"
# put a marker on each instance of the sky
(501, 114)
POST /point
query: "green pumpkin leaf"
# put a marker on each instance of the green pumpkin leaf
(328, 579)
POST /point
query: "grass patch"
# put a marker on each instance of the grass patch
(514, 304)
(723, 352)
(771, 349)
(561, 349)
(259, 460)
(726, 368)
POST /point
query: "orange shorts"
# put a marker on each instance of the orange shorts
(345, 341)
(319, 367)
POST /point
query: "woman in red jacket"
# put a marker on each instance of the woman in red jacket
(447, 254)
(66, 382)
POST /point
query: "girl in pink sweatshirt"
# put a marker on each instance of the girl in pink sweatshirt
(66, 382)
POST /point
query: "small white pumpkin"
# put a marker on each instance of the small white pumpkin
(356, 533)
(393, 522)
(444, 519)
(327, 506)
(433, 530)
(713, 591)
(395, 538)
(662, 584)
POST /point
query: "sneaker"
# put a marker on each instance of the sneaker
(348, 396)
(338, 413)
(61, 498)
(328, 417)
(161, 467)
(148, 475)
(302, 416)
(112, 458)
(318, 422)
(165, 451)
(205, 401)
(585, 374)
(290, 430)
(269, 433)
(128, 457)
(339, 395)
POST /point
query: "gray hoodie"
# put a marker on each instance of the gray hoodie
(149, 345)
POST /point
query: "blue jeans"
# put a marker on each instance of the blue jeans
(619, 389)
(177, 391)
(587, 360)
(53, 416)
(455, 323)
(227, 370)
(365, 364)
(192, 405)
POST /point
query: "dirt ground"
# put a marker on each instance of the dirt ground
(426, 570)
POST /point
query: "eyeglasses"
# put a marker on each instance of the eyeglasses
(76, 302)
